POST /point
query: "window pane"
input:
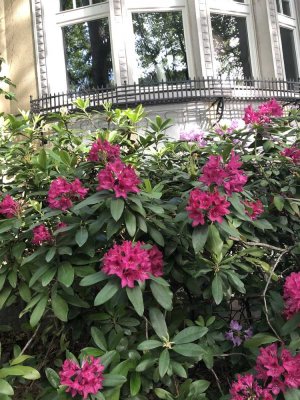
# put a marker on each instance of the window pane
(289, 53)
(231, 47)
(160, 46)
(82, 3)
(88, 54)
(278, 5)
(240, 1)
(286, 7)
(66, 5)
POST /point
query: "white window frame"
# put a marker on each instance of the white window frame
(144, 6)
(231, 7)
(290, 22)
(54, 20)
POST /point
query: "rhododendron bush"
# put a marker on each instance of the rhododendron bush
(138, 267)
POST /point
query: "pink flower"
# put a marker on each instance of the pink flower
(194, 135)
(280, 371)
(62, 193)
(293, 153)
(157, 261)
(247, 388)
(84, 380)
(202, 203)
(61, 225)
(120, 178)
(226, 127)
(254, 208)
(41, 234)
(9, 207)
(129, 261)
(103, 151)
(291, 295)
(227, 175)
(264, 113)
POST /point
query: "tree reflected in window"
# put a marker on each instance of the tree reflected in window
(160, 47)
(88, 54)
(231, 47)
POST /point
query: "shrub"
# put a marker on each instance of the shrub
(151, 268)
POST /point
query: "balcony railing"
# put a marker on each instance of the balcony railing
(211, 90)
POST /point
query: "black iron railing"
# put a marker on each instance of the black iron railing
(209, 89)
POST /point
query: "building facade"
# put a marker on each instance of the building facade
(54, 46)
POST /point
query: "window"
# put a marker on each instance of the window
(88, 54)
(71, 4)
(289, 53)
(160, 46)
(231, 46)
(284, 7)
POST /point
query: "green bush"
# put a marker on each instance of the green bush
(75, 221)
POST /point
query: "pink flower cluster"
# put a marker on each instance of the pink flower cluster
(264, 113)
(9, 207)
(120, 178)
(202, 204)
(280, 371)
(194, 135)
(254, 208)
(291, 295)
(104, 151)
(229, 175)
(41, 234)
(293, 153)
(247, 388)
(62, 193)
(84, 380)
(277, 369)
(226, 128)
(131, 262)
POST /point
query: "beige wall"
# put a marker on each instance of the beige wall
(17, 47)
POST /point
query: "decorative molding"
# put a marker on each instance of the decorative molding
(40, 48)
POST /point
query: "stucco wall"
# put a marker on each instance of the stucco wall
(17, 47)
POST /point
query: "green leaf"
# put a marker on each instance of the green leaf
(190, 334)
(149, 345)
(93, 199)
(38, 311)
(60, 307)
(4, 295)
(20, 359)
(237, 204)
(198, 387)
(81, 236)
(50, 254)
(130, 222)
(158, 323)
(107, 358)
(65, 274)
(145, 364)
(117, 208)
(93, 278)
(162, 295)
(5, 388)
(38, 273)
(278, 202)
(136, 298)
(135, 383)
(259, 339)
(106, 293)
(235, 280)
(163, 363)
(99, 338)
(52, 377)
(262, 224)
(178, 369)
(113, 380)
(292, 394)
(20, 370)
(217, 289)
(229, 228)
(48, 276)
(214, 242)
(163, 394)
(199, 238)
(189, 350)
(291, 324)
(157, 236)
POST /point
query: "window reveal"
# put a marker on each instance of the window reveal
(160, 46)
(88, 54)
(289, 53)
